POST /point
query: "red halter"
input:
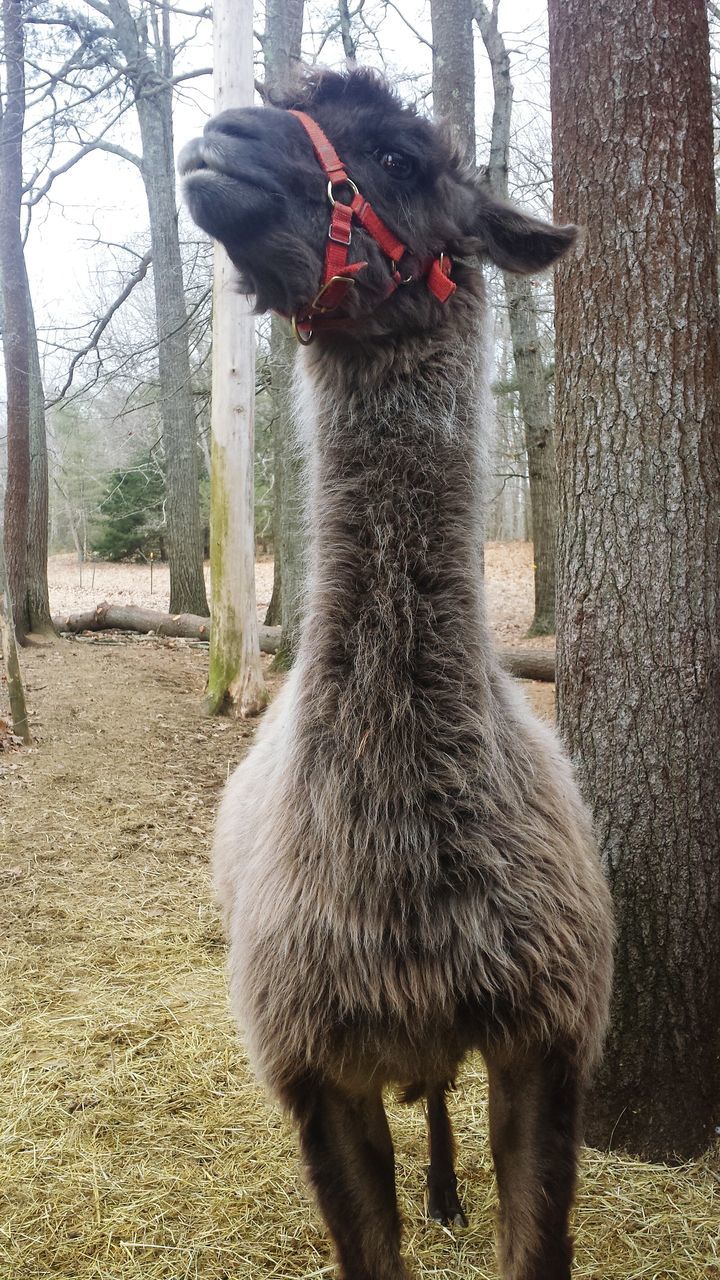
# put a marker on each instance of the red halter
(338, 274)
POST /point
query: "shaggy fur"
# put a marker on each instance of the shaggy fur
(406, 870)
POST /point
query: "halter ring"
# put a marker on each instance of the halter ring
(395, 271)
(304, 341)
(344, 182)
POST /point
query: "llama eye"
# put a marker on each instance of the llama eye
(396, 163)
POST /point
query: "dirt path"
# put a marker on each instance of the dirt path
(135, 1143)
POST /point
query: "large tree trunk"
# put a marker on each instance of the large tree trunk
(15, 332)
(453, 73)
(38, 599)
(638, 398)
(281, 48)
(527, 352)
(235, 674)
(153, 99)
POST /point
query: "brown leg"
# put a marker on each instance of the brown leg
(443, 1203)
(534, 1134)
(349, 1155)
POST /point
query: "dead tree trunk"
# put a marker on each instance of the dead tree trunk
(281, 48)
(15, 332)
(235, 676)
(524, 330)
(638, 416)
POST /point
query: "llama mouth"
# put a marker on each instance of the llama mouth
(228, 205)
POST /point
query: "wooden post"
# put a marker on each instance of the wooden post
(235, 677)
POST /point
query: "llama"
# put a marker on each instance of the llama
(406, 870)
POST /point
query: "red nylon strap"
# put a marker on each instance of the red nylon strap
(367, 216)
(438, 278)
(324, 150)
(338, 275)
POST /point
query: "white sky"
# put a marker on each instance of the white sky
(103, 198)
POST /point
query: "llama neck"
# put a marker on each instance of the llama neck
(395, 515)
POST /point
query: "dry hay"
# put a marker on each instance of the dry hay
(135, 1141)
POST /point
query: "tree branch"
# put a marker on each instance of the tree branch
(103, 323)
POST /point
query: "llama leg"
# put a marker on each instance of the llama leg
(534, 1134)
(350, 1161)
(443, 1203)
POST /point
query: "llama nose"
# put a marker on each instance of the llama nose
(190, 158)
(237, 122)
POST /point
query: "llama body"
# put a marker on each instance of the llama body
(405, 867)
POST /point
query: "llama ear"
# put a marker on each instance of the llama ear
(516, 241)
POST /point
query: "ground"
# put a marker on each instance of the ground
(135, 1142)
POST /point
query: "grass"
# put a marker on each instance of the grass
(135, 1142)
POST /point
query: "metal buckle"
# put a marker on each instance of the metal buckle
(346, 241)
(344, 182)
(316, 305)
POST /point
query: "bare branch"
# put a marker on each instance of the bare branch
(103, 323)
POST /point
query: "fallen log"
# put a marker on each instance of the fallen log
(529, 664)
(128, 617)
(525, 664)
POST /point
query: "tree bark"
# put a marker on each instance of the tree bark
(638, 422)
(529, 664)
(454, 68)
(16, 692)
(15, 332)
(527, 352)
(235, 674)
(153, 99)
(38, 598)
(281, 47)
(293, 538)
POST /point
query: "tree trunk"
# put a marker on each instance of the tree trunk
(38, 599)
(281, 47)
(293, 549)
(15, 333)
(153, 99)
(454, 68)
(235, 674)
(638, 417)
(532, 385)
(280, 371)
(539, 443)
(16, 692)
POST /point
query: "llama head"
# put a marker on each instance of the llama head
(253, 182)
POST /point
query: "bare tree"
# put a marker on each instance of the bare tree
(527, 350)
(15, 317)
(235, 675)
(151, 80)
(139, 49)
(638, 414)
